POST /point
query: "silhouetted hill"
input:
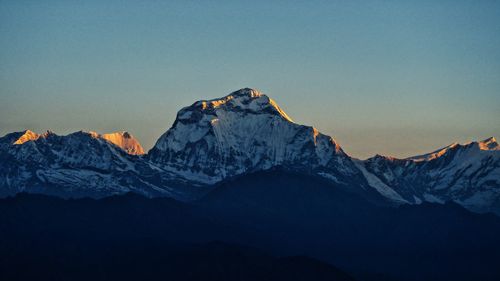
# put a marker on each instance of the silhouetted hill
(413, 242)
(277, 212)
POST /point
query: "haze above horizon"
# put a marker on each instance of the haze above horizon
(387, 77)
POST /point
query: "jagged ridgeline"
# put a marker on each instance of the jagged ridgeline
(242, 133)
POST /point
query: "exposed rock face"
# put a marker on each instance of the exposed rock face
(243, 132)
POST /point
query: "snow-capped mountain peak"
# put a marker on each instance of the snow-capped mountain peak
(489, 144)
(125, 141)
(83, 163)
(29, 135)
(435, 154)
(465, 173)
(242, 132)
(244, 100)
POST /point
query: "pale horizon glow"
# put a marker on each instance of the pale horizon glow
(381, 77)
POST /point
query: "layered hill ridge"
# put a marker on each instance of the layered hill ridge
(241, 133)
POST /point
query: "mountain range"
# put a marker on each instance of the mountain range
(215, 141)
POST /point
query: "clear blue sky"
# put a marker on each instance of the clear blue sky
(390, 77)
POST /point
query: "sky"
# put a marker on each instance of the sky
(395, 78)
